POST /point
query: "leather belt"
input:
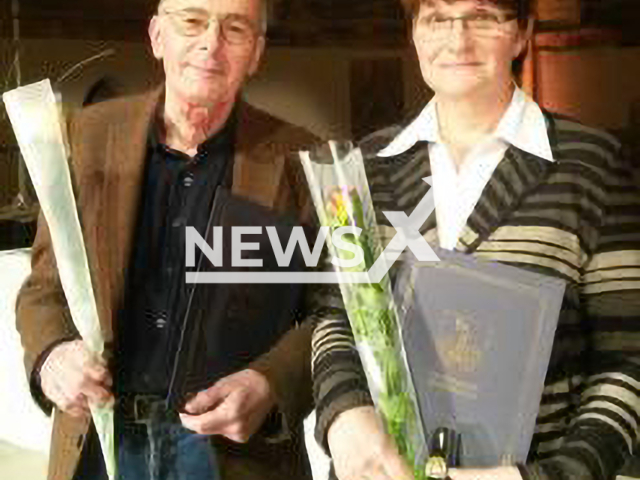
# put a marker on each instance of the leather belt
(140, 408)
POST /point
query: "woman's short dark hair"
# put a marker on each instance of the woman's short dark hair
(523, 9)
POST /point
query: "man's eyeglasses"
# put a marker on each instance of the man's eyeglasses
(234, 29)
(479, 24)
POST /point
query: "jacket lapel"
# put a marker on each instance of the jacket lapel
(117, 214)
(516, 175)
(258, 168)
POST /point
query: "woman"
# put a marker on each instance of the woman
(516, 185)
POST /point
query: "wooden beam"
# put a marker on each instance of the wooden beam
(79, 29)
(317, 33)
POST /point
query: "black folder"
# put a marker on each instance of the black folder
(227, 326)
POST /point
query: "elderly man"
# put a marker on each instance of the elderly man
(145, 168)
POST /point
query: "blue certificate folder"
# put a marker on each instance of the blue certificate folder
(478, 338)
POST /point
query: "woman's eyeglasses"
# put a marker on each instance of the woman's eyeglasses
(479, 24)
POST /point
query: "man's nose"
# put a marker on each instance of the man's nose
(211, 38)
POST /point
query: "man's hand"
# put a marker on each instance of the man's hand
(234, 407)
(70, 376)
(498, 473)
(361, 450)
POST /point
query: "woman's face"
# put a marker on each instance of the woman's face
(466, 47)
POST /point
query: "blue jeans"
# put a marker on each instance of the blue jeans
(163, 449)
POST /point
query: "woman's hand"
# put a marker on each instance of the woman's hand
(362, 450)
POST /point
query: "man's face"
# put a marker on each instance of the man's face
(469, 55)
(207, 56)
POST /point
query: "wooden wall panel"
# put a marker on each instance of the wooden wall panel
(377, 94)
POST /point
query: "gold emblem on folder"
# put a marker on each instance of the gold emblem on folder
(460, 351)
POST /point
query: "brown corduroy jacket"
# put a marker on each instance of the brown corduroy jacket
(108, 149)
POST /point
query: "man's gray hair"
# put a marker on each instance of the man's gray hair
(265, 12)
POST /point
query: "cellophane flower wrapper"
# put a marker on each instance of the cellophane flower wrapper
(40, 132)
(340, 192)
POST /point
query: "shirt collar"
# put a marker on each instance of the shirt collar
(222, 138)
(523, 125)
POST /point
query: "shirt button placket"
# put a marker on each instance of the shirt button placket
(161, 321)
(187, 181)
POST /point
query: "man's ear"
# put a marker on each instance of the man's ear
(257, 55)
(155, 36)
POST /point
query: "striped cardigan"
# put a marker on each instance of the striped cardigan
(576, 218)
